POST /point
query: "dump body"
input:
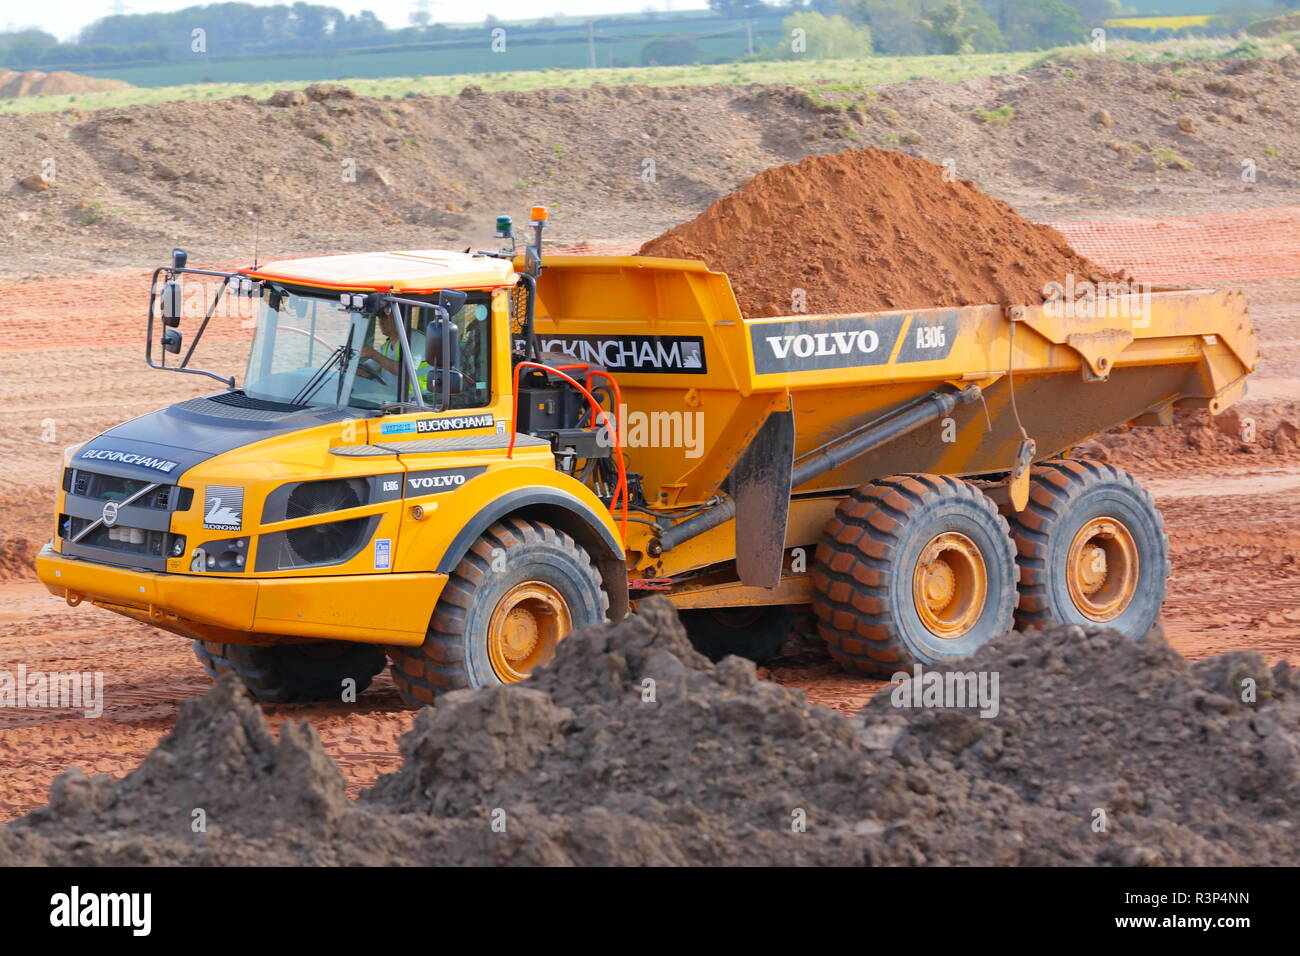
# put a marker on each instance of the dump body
(685, 358)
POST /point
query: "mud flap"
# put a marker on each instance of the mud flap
(1018, 483)
(760, 486)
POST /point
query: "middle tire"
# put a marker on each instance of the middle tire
(521, 588)
(913, 569)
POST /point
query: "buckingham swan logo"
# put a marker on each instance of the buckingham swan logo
(223, 508)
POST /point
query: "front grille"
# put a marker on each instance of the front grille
(137, 541)
(140, 536)
(89, 484)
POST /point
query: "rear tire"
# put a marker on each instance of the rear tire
(913, 569)
(288, 673)
(757, 632)
(1092, 549)
(520, 589)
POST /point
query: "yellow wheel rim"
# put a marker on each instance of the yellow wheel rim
(529, 620)
(950, 585)
(1102, 569)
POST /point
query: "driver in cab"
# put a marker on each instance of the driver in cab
(388, 355)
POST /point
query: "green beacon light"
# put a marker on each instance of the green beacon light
(505, 227)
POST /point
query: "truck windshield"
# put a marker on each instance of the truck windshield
(307, 350)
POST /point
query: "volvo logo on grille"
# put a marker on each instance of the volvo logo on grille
(109, 514)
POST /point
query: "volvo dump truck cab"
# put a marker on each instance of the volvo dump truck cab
(451, 460)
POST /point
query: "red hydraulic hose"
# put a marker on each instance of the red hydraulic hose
(597, 413)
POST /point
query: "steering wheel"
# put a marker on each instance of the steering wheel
(368, 368)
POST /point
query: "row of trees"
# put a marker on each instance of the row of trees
(833, 28)
(902, 27)
(146, 37)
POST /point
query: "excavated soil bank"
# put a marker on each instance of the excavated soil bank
(633, 749)
(14, 84)
(869, 230)
(1066, 140)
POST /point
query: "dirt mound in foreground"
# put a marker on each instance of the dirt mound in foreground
(868, 230)
(17, 558)
(14, 85)
(633, 749)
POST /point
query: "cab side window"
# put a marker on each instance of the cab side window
(473, 324)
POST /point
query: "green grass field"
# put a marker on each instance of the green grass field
(808, 73)
(841, 75)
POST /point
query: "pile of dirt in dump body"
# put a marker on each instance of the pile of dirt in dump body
(633, 749)
(868, 230)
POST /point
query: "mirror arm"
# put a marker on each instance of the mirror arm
(206, 319)
(407, 359)
(148, 345)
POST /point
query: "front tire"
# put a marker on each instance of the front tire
(1092, 549)
(290, 673)
(521, 588)
(913, 569)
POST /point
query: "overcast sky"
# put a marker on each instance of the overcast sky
(65, 18)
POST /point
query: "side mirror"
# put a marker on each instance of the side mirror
(171, 341)
(442, 343)
(454, 376)
(171, 303)
(452, 300)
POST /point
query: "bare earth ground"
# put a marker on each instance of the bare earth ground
(71, 365)
(1233, 519)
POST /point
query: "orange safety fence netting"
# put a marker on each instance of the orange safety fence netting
(1254, 244)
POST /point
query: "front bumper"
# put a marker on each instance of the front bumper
(368, 608)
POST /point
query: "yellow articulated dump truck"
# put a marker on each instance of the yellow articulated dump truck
(450, 460)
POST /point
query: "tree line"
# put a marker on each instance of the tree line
(856, 27)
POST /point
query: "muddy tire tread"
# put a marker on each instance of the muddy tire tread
(1053, 484)
(437, 666)
(853, 561)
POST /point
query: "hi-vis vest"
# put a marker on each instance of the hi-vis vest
(392, 350)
